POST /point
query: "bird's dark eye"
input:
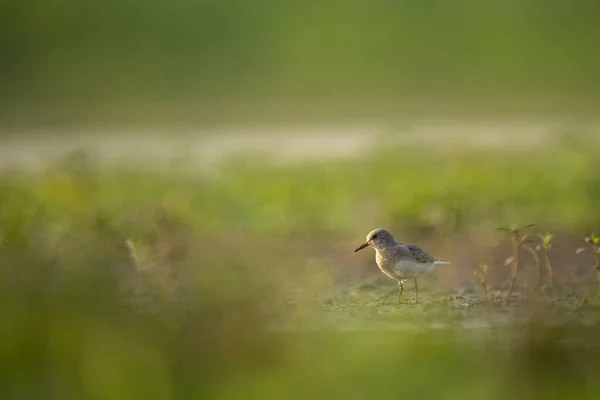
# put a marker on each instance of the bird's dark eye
(374, 237)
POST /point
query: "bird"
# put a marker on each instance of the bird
(400, 261)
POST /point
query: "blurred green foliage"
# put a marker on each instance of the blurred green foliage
(161, 50)
(217, 258)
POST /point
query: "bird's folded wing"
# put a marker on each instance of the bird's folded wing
(419, 255)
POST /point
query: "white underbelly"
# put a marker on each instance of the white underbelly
(411, 269)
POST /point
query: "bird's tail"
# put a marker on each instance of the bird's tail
(440, 262)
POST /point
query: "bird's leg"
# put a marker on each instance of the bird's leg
(400, 290)
(416, 291)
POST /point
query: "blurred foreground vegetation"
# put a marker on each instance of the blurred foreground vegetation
(119, 283)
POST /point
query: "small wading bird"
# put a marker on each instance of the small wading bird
(399, 261)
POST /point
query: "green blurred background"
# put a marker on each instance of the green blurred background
(120, 58)
(182, 185)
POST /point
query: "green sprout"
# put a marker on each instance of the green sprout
(483, 268)
(544, 247)
(528, 244)
(517, 240)
(594, 242)
(133, 253)
(141, 258)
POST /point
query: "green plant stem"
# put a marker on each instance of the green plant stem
(484, 288)
(596, 262)
(549, 269)
(539, 267)
(515, 269)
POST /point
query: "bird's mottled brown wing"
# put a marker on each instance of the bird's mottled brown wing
(419, 255)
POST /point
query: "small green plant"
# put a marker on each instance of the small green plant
(544, 247)
(483, 268)
(141, 258)
(517, 240)
(526, 244)
(594, 242)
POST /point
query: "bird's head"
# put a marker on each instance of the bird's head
(378, 239)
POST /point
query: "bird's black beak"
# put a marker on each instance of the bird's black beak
(362, 246)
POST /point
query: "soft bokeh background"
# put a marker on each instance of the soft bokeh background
(137, 60)
(183, 183)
